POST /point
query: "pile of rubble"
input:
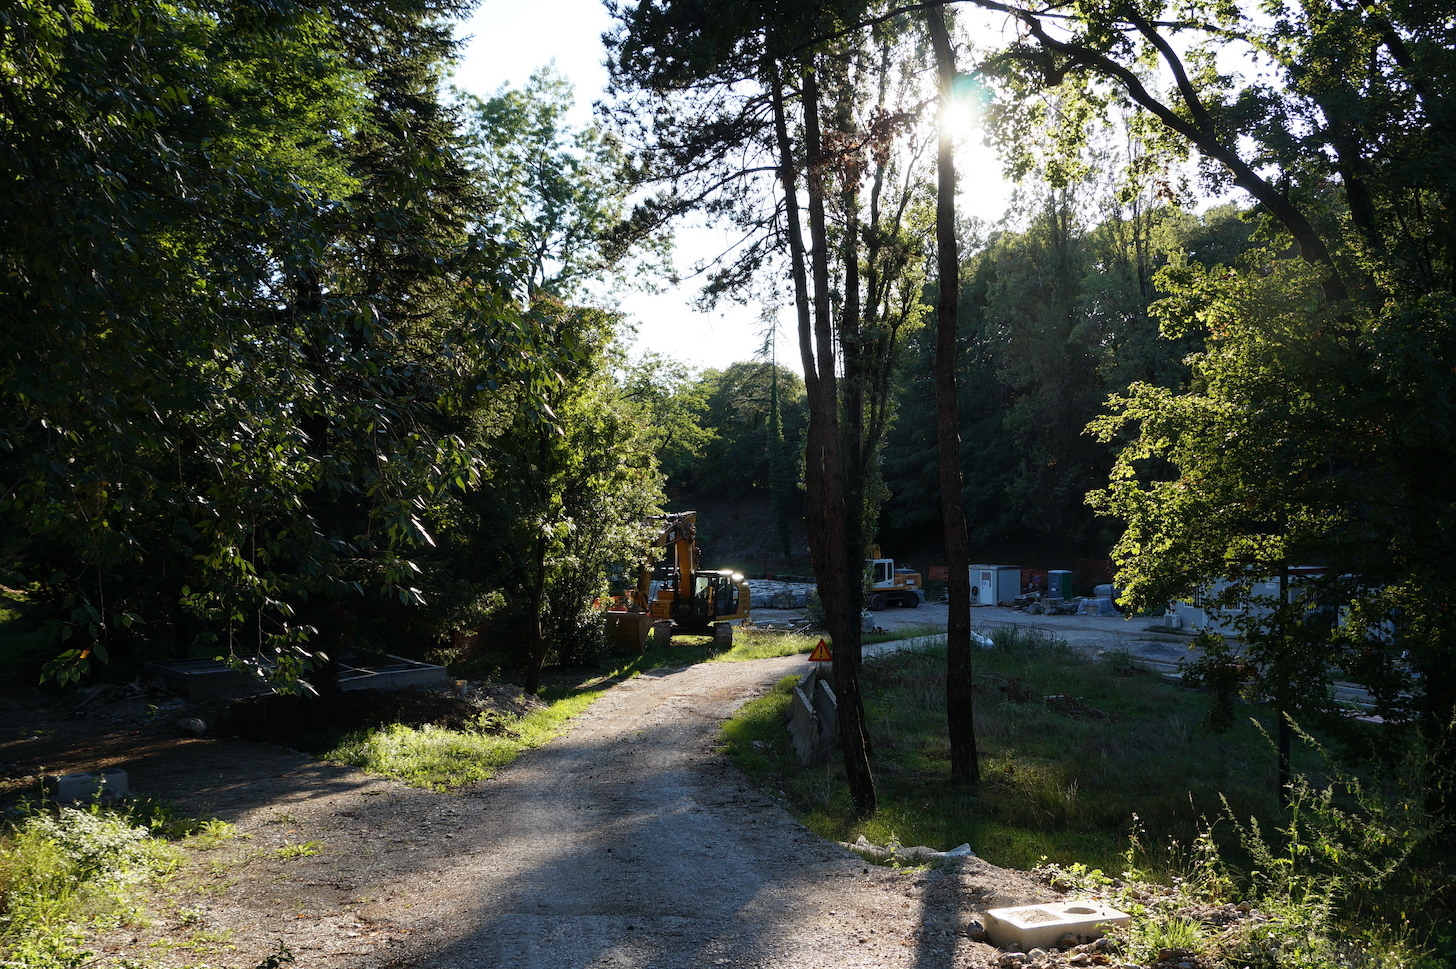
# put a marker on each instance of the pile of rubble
(779, 593)
(1103, 602)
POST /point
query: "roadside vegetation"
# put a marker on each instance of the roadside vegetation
(1093, 765)
(68, 872)
(446, 758)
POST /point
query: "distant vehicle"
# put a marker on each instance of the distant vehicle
(887, 585)
(694, 600)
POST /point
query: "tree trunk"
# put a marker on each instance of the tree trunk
(959, 698)
(536, 661)
(836, 565)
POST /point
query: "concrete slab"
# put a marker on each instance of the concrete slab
(197, 679)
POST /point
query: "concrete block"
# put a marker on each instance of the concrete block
(803, 727)
(1042, 926)
(106, 785)
(826, 708)
(627, 631)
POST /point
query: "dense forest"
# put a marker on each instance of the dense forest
(304, 350)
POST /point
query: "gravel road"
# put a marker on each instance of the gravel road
(632, 842)
(629, 841)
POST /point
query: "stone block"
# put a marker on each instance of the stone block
(106, 785)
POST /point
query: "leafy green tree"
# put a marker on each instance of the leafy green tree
(567, 503)
(737, 99)
(559, 191)
(1336, 138)
(670, 400)
(741, 404)
(246, 308)
(784, 479)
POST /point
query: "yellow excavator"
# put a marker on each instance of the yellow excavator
(696, 601)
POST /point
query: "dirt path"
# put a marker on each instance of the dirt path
(630, 841)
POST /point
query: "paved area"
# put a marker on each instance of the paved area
(1143, 637)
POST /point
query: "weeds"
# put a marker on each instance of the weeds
(301, 849)
(211, 834)
(63, 870)
(442, 759)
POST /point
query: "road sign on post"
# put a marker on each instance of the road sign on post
(821, 654)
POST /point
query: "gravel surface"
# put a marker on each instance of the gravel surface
(629, 841)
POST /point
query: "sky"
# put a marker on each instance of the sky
(509, 39)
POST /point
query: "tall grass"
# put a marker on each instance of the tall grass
(1070, 748)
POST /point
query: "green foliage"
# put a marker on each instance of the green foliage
(283, 956)
(1318, 890)
(555, 193)
(62, 871)
(231, 413)
(736, 410)
(564, 507)
(1054, 319)
(443, 759)
(670, 400)
(1291, 446)
(1068, 786)
(1070, 749)
(301, 849)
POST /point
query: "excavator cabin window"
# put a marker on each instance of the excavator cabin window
(714, 595)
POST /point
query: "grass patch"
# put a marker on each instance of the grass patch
(70, 869)
(903, 632)
(751, 644)
(1076, 753)
(748, 644)
(1070, 749)
(447, 758)
(444, 759)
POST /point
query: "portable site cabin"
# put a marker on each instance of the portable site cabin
(992, 584)
(1202, 615)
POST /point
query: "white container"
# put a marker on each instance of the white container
(992, 584)
(1043, 926)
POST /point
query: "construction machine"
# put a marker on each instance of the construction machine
(887, 585)
(694, 600)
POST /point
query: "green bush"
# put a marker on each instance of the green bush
(73, 867)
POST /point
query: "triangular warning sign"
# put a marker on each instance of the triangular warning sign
(821, 654)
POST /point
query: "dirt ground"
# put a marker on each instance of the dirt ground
(629, 841)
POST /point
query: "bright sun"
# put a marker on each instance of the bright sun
(984, 191)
